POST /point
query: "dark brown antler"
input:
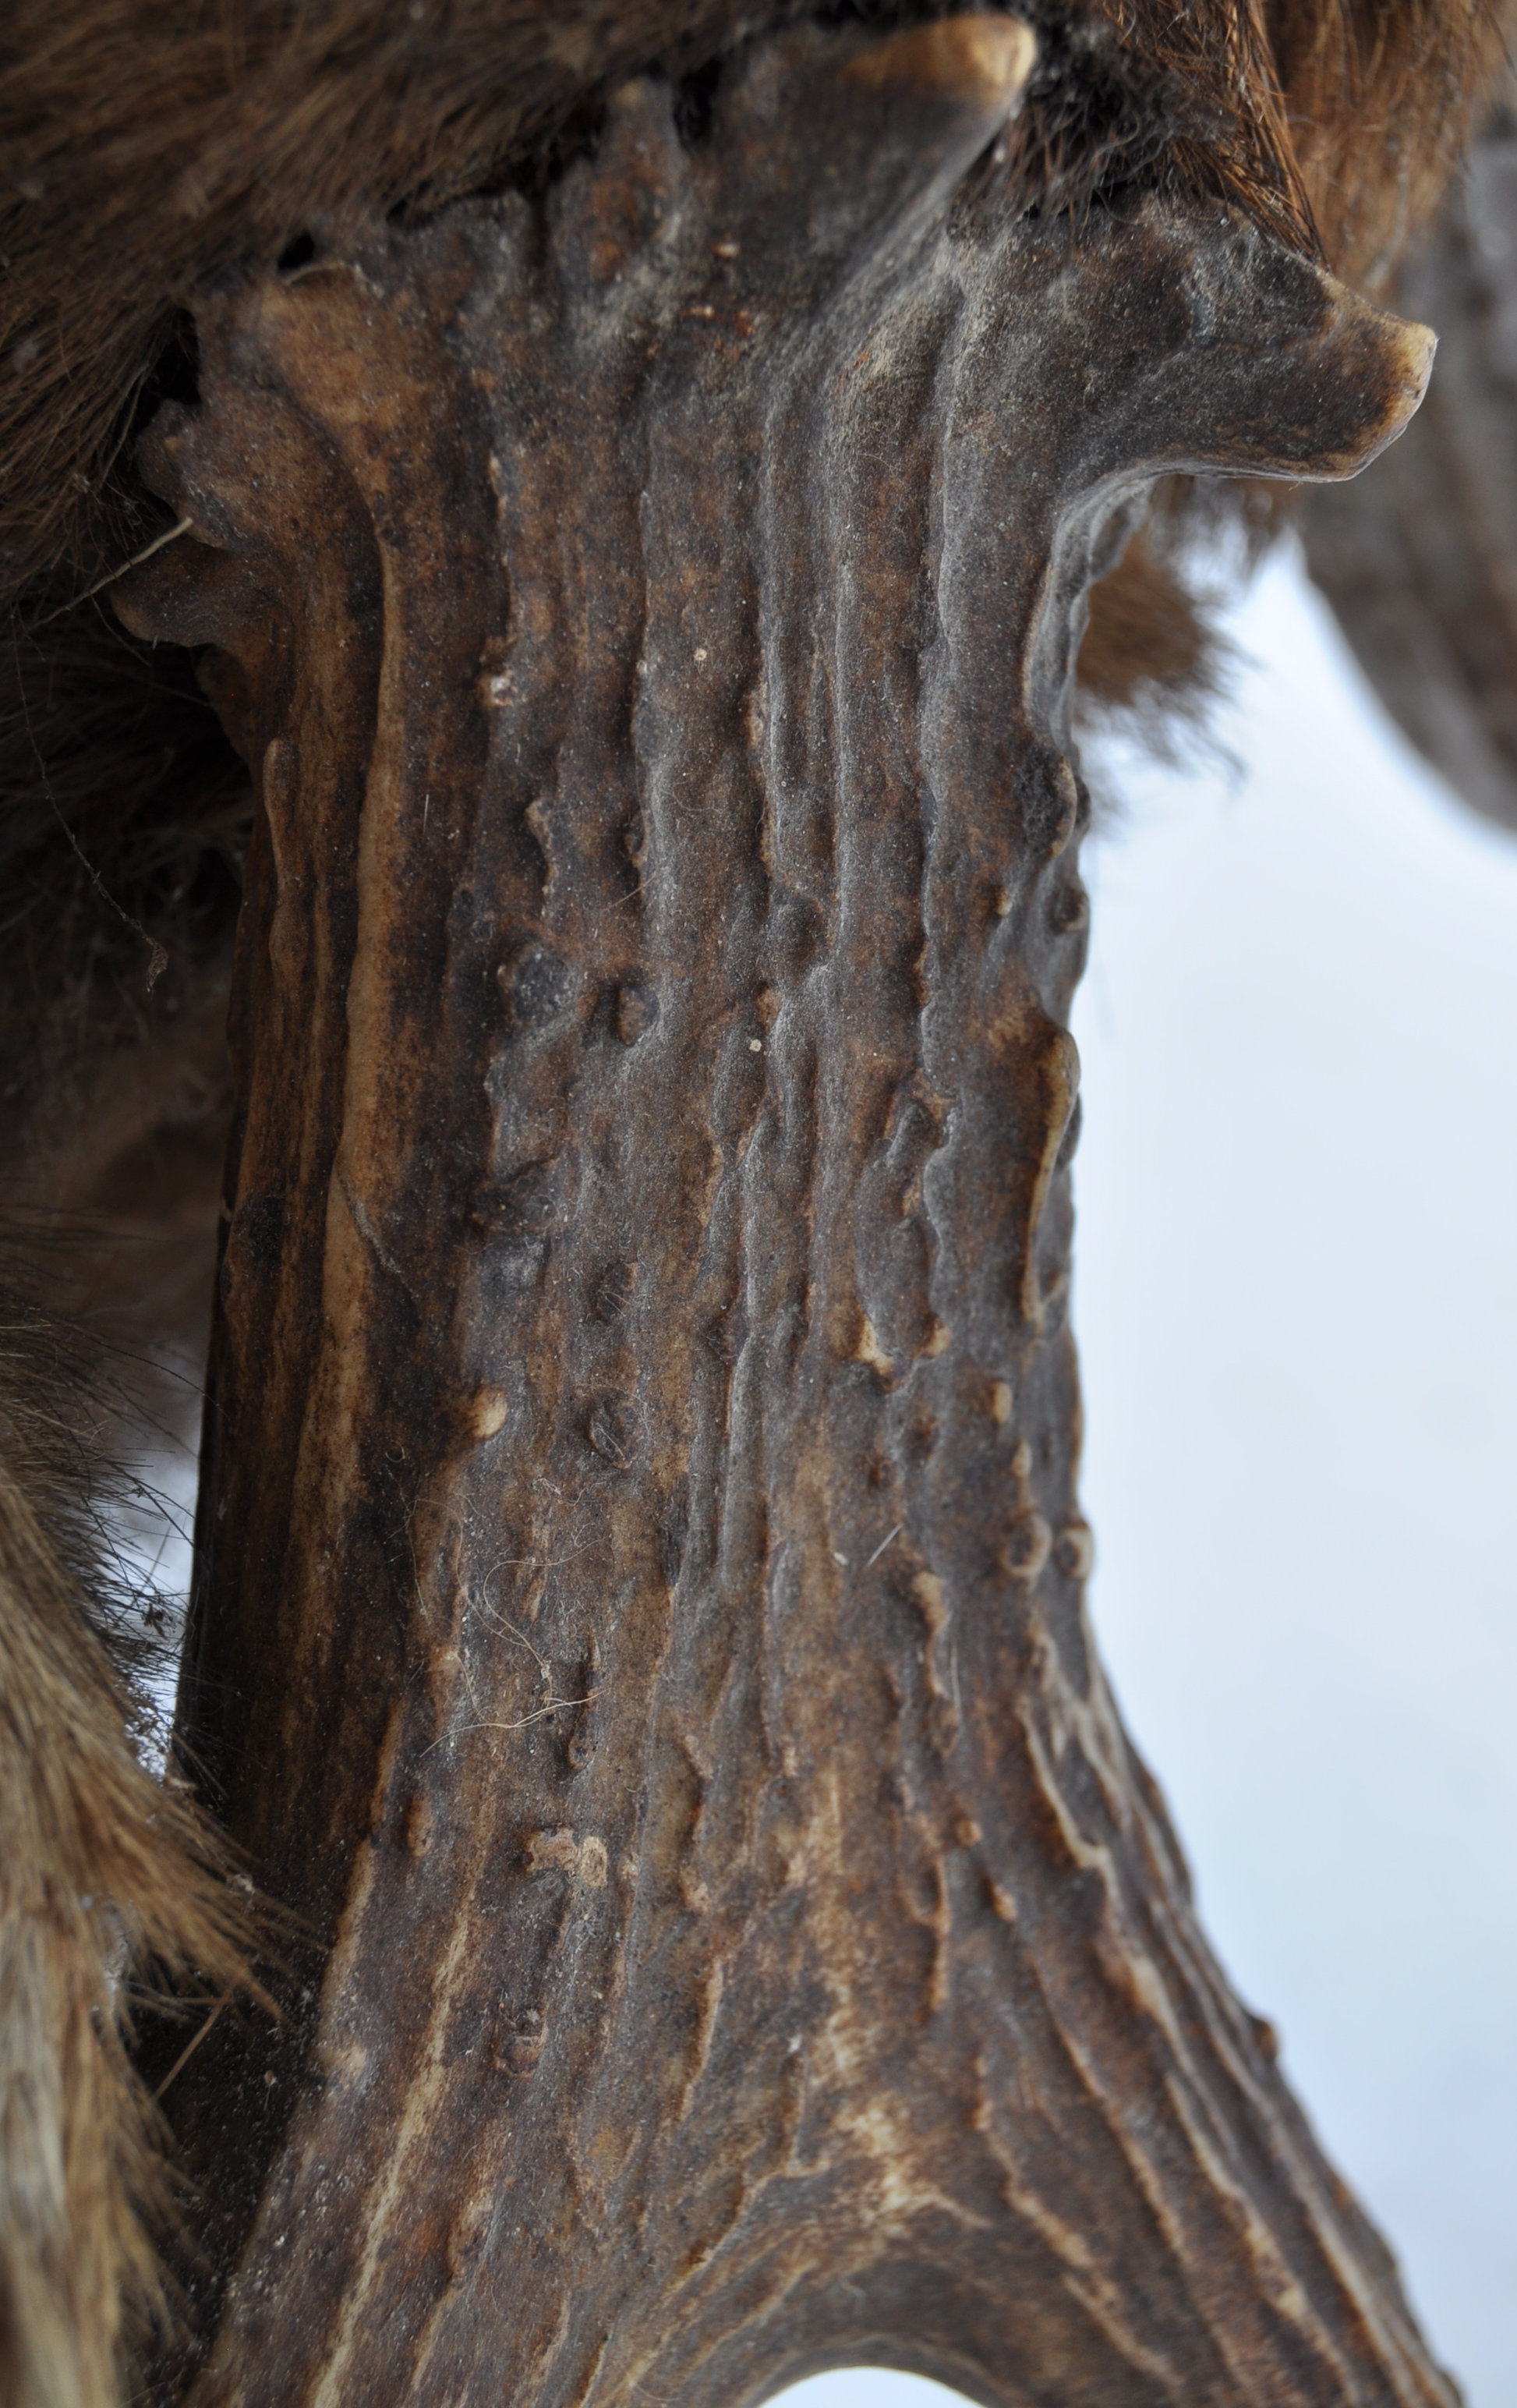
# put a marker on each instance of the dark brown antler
(642, 1628)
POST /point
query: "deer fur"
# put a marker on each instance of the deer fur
(146, 151)
(109, 1879)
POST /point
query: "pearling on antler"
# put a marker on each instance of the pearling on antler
(642, 1628)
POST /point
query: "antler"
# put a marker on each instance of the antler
(643, 1625)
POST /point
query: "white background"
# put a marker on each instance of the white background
(1296, 1302)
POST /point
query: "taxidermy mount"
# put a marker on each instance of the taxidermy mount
(555, 560)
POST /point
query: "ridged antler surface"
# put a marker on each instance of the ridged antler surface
(642, 1620)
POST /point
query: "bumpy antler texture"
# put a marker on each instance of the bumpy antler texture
(641, 1623)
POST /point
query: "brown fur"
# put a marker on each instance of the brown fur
(144, 150)
(1149, 660)
(122, 830)
(103, 1874)
(1381, 97)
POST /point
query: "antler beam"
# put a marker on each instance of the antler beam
(641, 1628)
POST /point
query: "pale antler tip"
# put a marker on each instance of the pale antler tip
(983, 61)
